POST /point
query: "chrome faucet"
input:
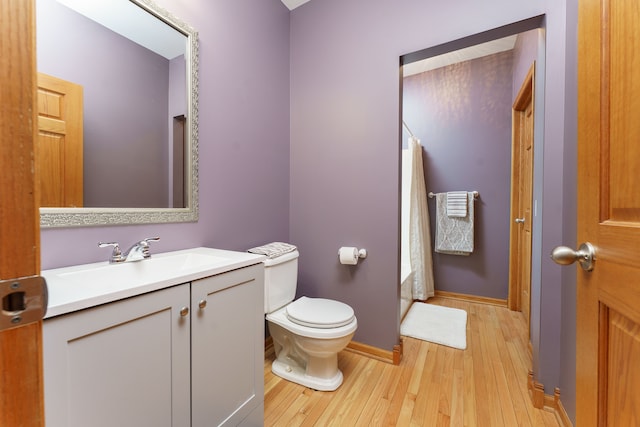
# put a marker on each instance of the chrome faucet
(140, 250)
(136, 252)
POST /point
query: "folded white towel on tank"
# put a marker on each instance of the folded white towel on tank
(273, 250)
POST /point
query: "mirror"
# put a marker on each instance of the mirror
(125, 150)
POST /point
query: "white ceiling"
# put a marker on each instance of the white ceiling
(292, 4)
(461, 55)
(134, 23)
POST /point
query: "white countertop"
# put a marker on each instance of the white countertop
(82, 286)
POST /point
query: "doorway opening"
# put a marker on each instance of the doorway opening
(458, 157)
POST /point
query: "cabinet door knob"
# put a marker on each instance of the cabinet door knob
(184, 311)
(202, 303)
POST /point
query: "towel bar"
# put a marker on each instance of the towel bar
(475, 195)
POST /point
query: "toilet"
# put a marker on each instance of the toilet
(307, 333)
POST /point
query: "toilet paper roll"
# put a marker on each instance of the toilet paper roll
(348, 255)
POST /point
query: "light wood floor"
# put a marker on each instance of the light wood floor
(434, 385)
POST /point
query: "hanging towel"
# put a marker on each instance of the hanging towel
(454, 235)
(457, 204)
(273, 250)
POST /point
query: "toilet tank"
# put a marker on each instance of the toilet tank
(280, 281)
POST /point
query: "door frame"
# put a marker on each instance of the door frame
(526, 93)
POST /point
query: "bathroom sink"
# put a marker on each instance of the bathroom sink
(83, 286)
(154, 268)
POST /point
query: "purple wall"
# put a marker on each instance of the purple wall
(462, 114)
(345, 150)
(108, 79)
(244, 138)
(177, 87)
(569, 232)
(525, 52)
(177, 107)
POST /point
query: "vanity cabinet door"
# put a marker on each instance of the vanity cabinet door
(227, 346)
(121, 364)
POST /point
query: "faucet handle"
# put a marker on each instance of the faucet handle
(144, 245)
(116, 254)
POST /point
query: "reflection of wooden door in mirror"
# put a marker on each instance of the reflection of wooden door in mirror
(59, 142)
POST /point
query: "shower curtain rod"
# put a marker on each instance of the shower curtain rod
(407, 128)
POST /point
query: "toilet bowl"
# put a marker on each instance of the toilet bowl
(307, 345)
(307, 333)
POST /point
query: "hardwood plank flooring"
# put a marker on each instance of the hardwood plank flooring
(434, 385)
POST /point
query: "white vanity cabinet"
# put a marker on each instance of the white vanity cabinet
(186, 355)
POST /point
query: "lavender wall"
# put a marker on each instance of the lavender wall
(177, 87)
(109, 67)
(462, 114)
(345, 149)
(569, 232)
(177, 107)
(244, 138)
(525, 52)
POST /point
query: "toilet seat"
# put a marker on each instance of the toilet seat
(279, 317)
(319, 313)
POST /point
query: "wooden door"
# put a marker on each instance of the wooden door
(21, 388)
(521, 198)
(59, 142)
(608, 298)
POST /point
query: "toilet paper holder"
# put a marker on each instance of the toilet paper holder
(350, 255)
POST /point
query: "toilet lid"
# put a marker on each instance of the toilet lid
(319, 313)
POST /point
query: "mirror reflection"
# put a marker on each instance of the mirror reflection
(121, 92)
(114, 99)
